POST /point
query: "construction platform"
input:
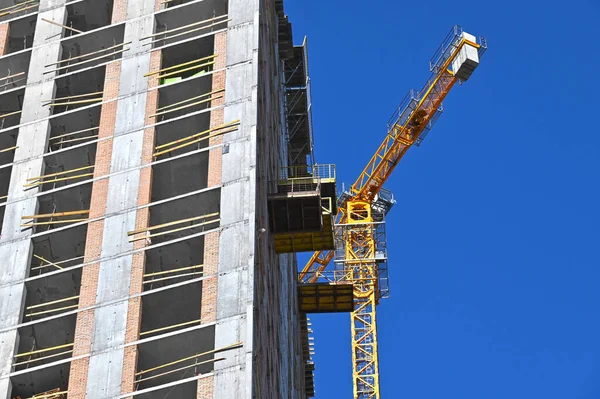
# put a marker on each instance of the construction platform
(326, 298)
(302, 208)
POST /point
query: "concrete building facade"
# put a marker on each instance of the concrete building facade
(139, 142)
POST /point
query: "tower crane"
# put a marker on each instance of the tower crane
(360, 257)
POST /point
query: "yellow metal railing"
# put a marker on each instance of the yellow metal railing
(324, 171)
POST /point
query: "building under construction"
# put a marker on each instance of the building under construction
(156, 176)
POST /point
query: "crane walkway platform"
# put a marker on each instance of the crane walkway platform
(326, 297)
(302, 208)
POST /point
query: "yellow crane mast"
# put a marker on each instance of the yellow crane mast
(359, 235)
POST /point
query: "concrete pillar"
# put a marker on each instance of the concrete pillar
(4, 34)
(134, 312)
(15, 243)
(233, 376)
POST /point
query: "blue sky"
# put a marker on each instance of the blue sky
(494, 260)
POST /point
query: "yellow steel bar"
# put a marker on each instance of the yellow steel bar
(9, 149)
(53, 263)
(180, 65)
(48, 395)
(175, 222)
(19, 10)
(42, 358)
(169, 74)
(223, 349)
(57, 214)
(75, 102)
(179, 369)
(173, 271)
(95, 136)
(51, 310)
(57, 180)
(51, 223)
(69, 260)
(185, 106)
(223, 126)
(10, 114)
(189, 99)
(52, 302)
(75, 96)
(12, 76)
(155, 280)
(88, 54)
(187, 323)
(43, 350)
(222, 132)
(184, 27)
(61, 25)
(18, 5)
(65, 172)
(115, 52)
(188, 32)
(74, 133)
(162, 233)
(45, 260)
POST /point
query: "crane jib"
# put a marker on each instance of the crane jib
(399, 138)
(403, 136)
(359, 226)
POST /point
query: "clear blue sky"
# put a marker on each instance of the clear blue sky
(494, 242)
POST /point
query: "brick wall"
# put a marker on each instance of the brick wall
(216, 116)
(134, 312)
(211, 240)
(119, 11)
(208, 311)
(205, 388)
(93, 244)
(4, 37)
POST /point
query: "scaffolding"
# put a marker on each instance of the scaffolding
(298, 107)
(308, 350)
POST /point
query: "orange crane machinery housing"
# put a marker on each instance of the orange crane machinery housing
(358, 279)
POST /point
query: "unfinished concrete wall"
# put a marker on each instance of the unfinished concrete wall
(135, 258)
(278, 362)
(234, 313)
(16, 242)
(256, 287)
